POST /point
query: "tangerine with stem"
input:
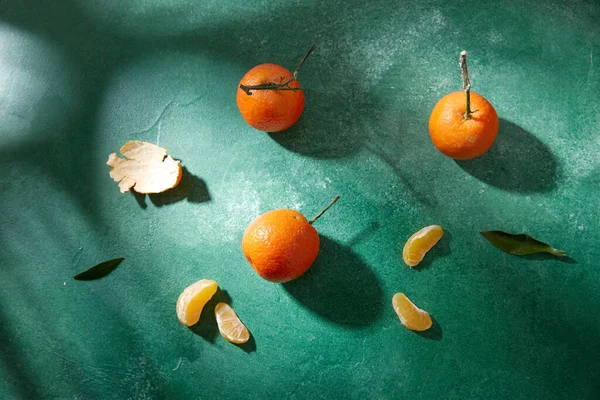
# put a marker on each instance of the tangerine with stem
(456, 129)
(270, 97)
(281, 245)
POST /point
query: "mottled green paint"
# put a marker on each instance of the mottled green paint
(80, 78)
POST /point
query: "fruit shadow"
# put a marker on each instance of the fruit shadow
(207, 325)
(190, 187)
(433, 333)
(321, 132)
(440, 250)
(517, 162)
(339, 287)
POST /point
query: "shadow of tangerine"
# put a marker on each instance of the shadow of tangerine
(339, 287)
(324, 129)
(517, 162)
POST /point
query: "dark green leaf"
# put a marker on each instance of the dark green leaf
(98, 271)
(520, 244)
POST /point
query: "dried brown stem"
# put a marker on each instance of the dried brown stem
(462, 61)
(316, 217)
(281, 85)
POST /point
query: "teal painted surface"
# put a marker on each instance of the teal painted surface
(79, 78)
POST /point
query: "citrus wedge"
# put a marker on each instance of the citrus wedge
(229, 324)
(420, 243)
(410, 315)
(193, 299)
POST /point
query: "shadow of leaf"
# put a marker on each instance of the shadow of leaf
(546, 257)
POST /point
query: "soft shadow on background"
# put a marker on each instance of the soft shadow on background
(433, 333)
(339, 287)
(190, 187)
(364, 234)
(207, 326)
(440, 250)
(321, 131)
(549, 257)
(517, 162)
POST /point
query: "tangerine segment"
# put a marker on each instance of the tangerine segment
(410, 315)
(229, 324)
(420, 243)
(193, 299)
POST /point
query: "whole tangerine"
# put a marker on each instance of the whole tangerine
(270, 97)
(455, 129)
(270, 110)
(282, 244)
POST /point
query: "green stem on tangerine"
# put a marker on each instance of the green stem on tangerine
(281, 85)
(462, 61)
(316, 217)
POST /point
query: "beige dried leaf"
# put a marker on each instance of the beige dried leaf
(146, 168)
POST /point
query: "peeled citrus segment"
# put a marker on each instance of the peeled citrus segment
(410, 315)
(193, 299)
(420, 243)
(146, 168)
(230, 326)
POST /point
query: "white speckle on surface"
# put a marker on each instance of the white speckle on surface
(241, 204)
(571, 215)
(178, 364)
(495, 37)
(65, 284)
(383, 50)
(580, 227)
(581, 160)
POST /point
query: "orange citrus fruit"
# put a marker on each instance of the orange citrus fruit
(193, 299)
(229, 324)
(270, 110)
(280, 245)
(420, 243)
(410, 315)
(459, 137)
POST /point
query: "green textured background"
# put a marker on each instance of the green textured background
(79, 78)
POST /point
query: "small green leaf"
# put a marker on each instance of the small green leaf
(520, 244)
(98, 271)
